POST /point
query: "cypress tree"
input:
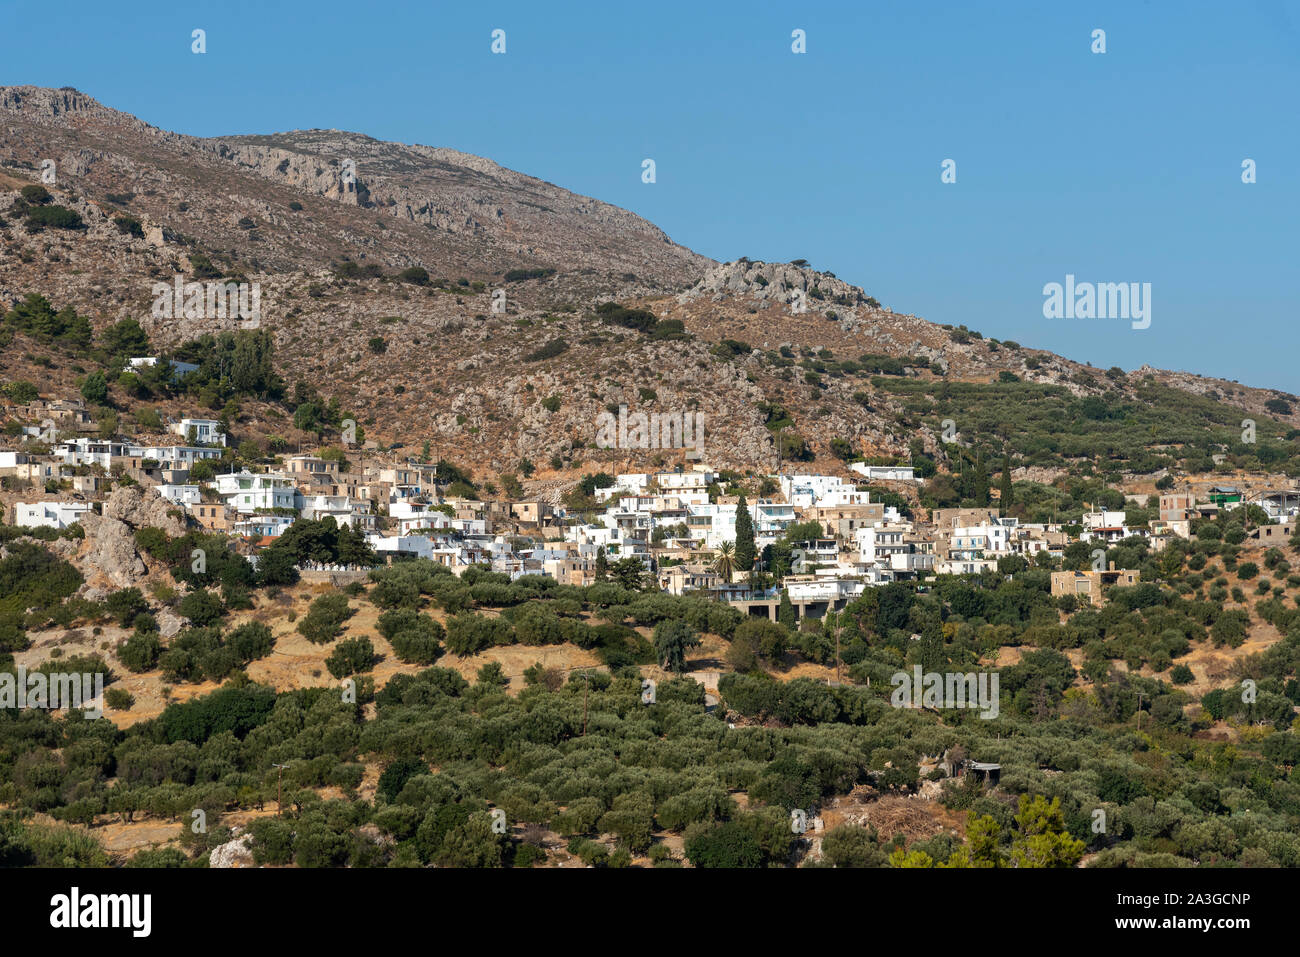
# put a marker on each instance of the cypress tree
(785, 612)
(1007, 496)
(980, 483)
(745, 550)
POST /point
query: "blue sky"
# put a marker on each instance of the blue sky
(1115, 167)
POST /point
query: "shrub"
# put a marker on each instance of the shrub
(129, 225)
(549, 351)
(324, 619)
(351, 656)
(125, 604)
(201, 607)
(56, 217)
(36, 194)
(119, 699)
(141, 651)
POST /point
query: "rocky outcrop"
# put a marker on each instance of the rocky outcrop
(801, 288)
(108, 553)
(140, 507)
(234, 853)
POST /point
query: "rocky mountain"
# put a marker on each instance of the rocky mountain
(387, 203)
(503, 355)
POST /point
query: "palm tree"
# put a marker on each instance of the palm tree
(725, 563)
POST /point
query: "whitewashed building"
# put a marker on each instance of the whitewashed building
(49, 514)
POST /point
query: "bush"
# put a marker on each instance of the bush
(125, 604)
(724, 845)
(201, 607)
(324, 619)
(56, 217)
(141, 651)
(549, 351)
(36, 194)
(119, 699)
(129, 225)
(351, 656)
(419, 642)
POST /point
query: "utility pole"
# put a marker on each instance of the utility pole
(279, 805)
(1141, 695)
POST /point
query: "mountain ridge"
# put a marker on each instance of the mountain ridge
(463, 358)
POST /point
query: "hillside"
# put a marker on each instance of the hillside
(770, 354)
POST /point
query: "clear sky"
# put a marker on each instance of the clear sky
(1123, 166)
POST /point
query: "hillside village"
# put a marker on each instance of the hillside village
(678, 530)
(372, 576)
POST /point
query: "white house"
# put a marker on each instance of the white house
(421, 546)
(339, 507)
(715, 523)
(178, 368)
(262, 526)
(821, 491)
(886, 473)
(184, 495)
(805, 588)
(634, 483)
(965, 566)
(976, 541)
(84, 451)
(174, 456)
(247, 492)
(206, 431)
(1279, 505)
(49, 514)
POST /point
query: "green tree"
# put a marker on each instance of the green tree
(1041, 839)
(785, 612)
(673, 638)
(201, 607)
(725, 562)
(125, 340)
(95, 389)
(629, 572)
(744, 537)
(980, 482)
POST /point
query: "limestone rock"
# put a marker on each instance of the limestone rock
(140, 507)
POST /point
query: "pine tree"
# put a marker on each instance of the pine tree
(745, 550)
(602, 565)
